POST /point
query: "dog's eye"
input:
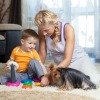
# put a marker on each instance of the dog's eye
(55, 74)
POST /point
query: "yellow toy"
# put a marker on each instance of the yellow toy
(37, 84)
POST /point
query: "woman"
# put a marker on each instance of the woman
(59, 38)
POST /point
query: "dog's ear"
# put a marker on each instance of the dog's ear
(51, 67)
(59, 69)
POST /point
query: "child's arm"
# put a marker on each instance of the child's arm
(6, 64)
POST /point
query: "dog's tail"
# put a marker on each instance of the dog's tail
(90, 85)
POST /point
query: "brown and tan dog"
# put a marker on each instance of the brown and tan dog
(68, 78)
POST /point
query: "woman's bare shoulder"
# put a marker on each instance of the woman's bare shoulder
(69, 31)
(68, 26)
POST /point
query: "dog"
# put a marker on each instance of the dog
(68, 79)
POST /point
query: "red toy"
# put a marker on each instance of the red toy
(27, 86)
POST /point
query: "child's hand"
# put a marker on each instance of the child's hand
(44, 81)
(5, 66)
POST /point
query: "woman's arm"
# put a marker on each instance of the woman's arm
(69, 46)
(42, 47)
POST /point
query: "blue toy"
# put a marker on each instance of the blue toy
(26, 80)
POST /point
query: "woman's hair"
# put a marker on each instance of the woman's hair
(28, 33)
(44, 18)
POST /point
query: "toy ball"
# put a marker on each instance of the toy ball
(9, 63)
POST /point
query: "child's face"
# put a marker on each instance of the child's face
(28, 44)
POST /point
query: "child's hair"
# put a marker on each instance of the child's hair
(28, 33)
(45, 17)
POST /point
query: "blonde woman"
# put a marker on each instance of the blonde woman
(59, 38)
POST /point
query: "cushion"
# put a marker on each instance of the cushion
(10, 27)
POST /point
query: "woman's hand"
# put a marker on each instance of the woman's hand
(60, 66)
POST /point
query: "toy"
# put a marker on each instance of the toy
(37, 81)
(26, 80)
(9, 63)
(12, 66)
(27, 83)
(26, 86)
(38, 84)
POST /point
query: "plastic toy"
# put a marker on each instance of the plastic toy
(26, 86)
(13, 84)
(37, 80)
(26, 80)
(9, 63)
(12, 66)
(27, 83)
(37, 83)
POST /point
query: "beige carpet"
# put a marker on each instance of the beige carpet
(36, 95)
(45, 93)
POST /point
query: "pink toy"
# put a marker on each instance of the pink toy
(13, 66)
(13, 84)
